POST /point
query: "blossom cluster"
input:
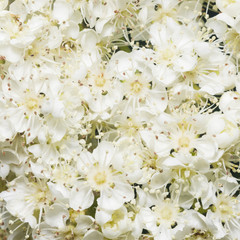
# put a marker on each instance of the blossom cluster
(119, 119)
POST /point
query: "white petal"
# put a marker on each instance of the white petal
(6, 130)
(17, 7)
(160, 179)
(89, 39)
(225, 18)
(173, 162)
(4, 170)
(157, 101)
(62, 10)
(186, 62)
(84, 162)
(59, 191)
(231, 9)
(84, 222)
(93, 235)
(237, 25)
(3, 36)
(9, 156)
(37, 169)
(103, 154)
(81, 196)
(57, 128)
(124, 190)
(218, 27)
(206, 147)
(102, 216)
(161, 145)
(109, 200)
(3, 4)
(56, 216)
(112, 199)
(55, 38)
(11, 53)
(36, 150)
(72, 31)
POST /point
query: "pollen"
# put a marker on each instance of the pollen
(40, 194)
(184, 142)
(32, 103)
(100, 81)
(100, 178)
(136, 86)
(166, 214)
(225, 207)
(117, 216)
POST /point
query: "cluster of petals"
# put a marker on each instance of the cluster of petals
(119, 119)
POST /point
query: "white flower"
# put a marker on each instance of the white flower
(113, 15)
(33, 6)
(113, 223)
(226, 210)
(224, 130)
(229, 104)
(23, 198)
(61, 223)
(173, 45)
(24, 99)
(141, 89)
(104, 91)
(16, 35)
(119, 119)
(99, 176)
(162, 218)
(197, 227)
(130, 160)
(227, 28)
(180, 136)
(213, 72)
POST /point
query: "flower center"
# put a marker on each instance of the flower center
(184, 142)
(125, 16)
(166, 214)
(100, 178)
(168, 54)
(136, 86)
(69, 233)
(117, 216)
(64, 174)
(40, 194)
(100, 81)
(163, 13)
(224, 207)
(32, 103)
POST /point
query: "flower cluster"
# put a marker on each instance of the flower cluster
(119, 119)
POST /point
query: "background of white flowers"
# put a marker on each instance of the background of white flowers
(119, 119)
